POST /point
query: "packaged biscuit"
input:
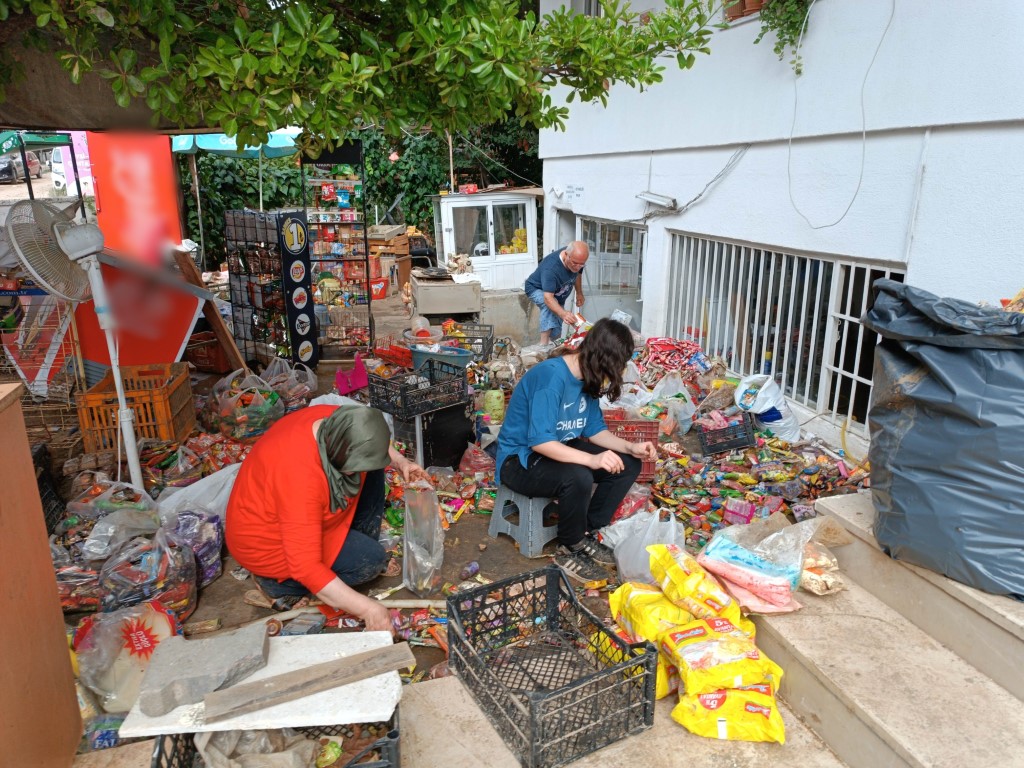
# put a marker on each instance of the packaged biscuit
(685, 582)
(738, 714)
(712, 654)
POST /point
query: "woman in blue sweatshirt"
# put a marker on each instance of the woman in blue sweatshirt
(554, 443)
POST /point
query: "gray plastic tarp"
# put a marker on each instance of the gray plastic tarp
(947, 436)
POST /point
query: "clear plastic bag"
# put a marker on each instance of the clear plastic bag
(162, 568)
(114, 650)
(102, 498)
(116, 528)
(635, 501)
(279, 748)
(766, 557)
(295, 384)
(474, 460)
(203, 531)
(248, 413)
(423, 551)
(630, 547)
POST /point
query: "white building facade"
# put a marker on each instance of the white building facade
(784, 213)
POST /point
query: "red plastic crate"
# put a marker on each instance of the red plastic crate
(636, 431)
(390, 351)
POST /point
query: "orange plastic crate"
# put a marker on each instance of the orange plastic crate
(160, 396)
(637, 431)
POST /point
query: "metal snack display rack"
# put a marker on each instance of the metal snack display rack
(270, 285)
(332, 188)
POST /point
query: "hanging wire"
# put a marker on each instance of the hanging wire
(863, 123)
(474, 146)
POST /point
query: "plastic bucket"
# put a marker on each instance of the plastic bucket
(450, 355)
(435, 337)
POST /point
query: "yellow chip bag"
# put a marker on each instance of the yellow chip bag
(712, 654)
(685, 582)
(644, 613)
(740, 714)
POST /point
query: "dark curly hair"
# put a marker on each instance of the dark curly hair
(604, 352)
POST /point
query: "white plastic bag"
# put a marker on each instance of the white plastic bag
(634, 394)
(761, 396)
(211, 493)
(631, 537)
(671, 392)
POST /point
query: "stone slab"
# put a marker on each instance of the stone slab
(985, 630)
(880, 691)
(368, 701)
(184, 671)
(442, 726)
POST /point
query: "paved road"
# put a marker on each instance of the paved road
(19, 191)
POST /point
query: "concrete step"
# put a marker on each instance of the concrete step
(881, 692)
(442, 727)
(985, 630)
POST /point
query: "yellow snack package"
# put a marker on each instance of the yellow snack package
(685, 582)
(712, 654)
(644, 613)
(739, 714)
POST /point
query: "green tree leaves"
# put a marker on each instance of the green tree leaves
(330, 67)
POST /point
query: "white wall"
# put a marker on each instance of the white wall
(944, 104)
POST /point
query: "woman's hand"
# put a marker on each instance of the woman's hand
(376, 617)
(609, 461)
(643, 451)
(411, 472)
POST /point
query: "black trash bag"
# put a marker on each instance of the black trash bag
(947, 436)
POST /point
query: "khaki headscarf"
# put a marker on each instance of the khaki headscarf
(352, 439)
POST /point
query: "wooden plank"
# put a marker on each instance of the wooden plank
(250, 697)
(191, 273)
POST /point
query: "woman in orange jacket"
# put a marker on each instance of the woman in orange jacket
(305, 512)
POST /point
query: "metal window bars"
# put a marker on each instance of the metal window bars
(795, 317)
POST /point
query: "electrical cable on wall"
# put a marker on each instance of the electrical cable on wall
(731, 163)
(863, 122)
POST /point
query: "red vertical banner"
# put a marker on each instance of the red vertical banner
(136, 193)
(137, 210)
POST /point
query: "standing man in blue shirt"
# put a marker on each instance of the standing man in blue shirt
(549, 285)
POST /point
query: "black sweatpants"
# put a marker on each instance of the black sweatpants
(578, 511)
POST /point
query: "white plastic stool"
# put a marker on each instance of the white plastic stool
(530, 532)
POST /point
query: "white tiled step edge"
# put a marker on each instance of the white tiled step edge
(442, 727)
(882, 693)
(986, 630)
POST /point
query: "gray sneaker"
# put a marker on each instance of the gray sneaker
(578, 565)
(599, 553)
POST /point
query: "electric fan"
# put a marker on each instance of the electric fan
(62, 257)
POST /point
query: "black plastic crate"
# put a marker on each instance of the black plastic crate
(179, 750)
(733, 438)
(445, 386)
(554, 681)
(53, 504)
(476, 337)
